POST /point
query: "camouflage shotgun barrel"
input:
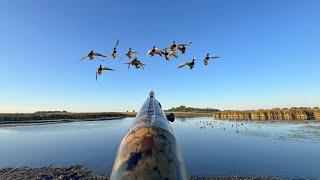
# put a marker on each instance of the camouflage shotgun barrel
(149, 150)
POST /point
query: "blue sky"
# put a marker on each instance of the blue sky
(270, 54)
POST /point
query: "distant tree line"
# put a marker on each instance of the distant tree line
(7, 118)
(192, 109)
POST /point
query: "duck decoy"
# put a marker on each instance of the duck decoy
(154, 51)
(183, 47)
(114, 51)
(208, 57)
(91, 55)
(101, 69)
(135, 62)
(190, 64)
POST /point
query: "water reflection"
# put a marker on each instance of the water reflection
(210, 147)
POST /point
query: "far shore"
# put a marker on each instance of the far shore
(41, 118)
(53, 117)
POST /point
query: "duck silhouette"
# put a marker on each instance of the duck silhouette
(130, 53)
(154, 51)
(135, 62)
(208, 57)
(91, 55)
(174, 46)
(101, 69)
(183, 47)
(167, 54)
(114, 51)
(190, 64)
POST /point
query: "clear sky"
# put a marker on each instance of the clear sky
(270, 54)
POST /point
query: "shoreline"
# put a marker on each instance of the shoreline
(55, 121)
(25, 119)
(81, 173)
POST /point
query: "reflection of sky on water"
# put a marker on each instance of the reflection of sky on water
(258, 148)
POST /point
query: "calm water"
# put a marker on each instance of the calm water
(254, 148)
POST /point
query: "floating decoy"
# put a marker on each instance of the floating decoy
(183, 47)
(136, 62)
(130, 53)
(101, 69)
(154, 51)
(208, 57)
(92, 55)
(190, 64)
(114, 52)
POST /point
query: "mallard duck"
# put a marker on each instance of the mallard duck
(135, 62)
(183, 47)
(130, 53)
(174, 46)
(190, 64)
(154, 51)
(167, 54)
(208, 57)
(114, 52)
(101, 69)
(92, 55)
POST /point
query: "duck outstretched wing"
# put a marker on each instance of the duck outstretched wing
(117, 44)
(107, 69)
(214, 57)
(183, 64)
(187, 44)
(99, 54)
(84, 58)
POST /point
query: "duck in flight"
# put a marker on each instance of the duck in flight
(155, 51)
(92, 55)
(173, 49)
(135, 62)
(183, 47)
(130, 53)
(190, 64)
(114, 51)
(167, 54)
(208, 57)
(101, 69)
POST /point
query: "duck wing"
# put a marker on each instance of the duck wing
(187, 44)
(214, 57)
(99, 54)
(174, 54)
(158, 51)
(96, 75)
(117, 44)
(84, 58)
(149, 52)
(129, 63)
(107, 69)
(183, 64)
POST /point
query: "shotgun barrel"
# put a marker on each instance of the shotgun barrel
(149, 150)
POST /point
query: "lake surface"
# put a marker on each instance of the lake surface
(210, 147)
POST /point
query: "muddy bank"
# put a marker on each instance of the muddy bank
(78, 172)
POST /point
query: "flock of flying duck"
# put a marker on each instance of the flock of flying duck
(167, 53)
